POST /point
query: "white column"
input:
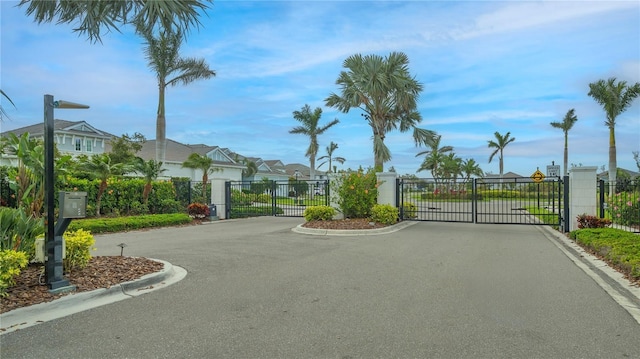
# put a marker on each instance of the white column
(218, 196)
(387, 188)
(335, 181)
(583, 196)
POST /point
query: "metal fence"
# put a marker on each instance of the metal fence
(482, 200)
(274, 198)
(620, 203)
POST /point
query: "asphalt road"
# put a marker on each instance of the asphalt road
(255, 289)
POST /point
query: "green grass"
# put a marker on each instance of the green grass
(543, 214)
(291, 201)
(621, 249)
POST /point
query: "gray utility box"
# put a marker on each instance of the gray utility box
(73, 204)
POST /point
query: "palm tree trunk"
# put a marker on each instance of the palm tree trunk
(161, 126)
(101, 188)
(566, 154)
(613, 166)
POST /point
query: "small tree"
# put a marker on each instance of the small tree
(151, 170)
(328, 158)
(203, 163)
(101, 167)
(499, 144)
(567, 122)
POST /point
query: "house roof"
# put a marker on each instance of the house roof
(81, 128)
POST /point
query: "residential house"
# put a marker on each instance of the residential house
(74, 138)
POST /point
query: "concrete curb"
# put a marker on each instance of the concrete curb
(353, 232)
(610, 280)
(74, 303)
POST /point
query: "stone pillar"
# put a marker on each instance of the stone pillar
(218, 196)
(387, 189)
(335, 180)
(583, 197)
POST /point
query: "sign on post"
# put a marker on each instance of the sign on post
(537, 176)
(553, 171)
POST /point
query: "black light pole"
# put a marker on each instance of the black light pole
(53, 244)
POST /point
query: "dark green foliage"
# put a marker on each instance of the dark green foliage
(244, 212)
(119, 224)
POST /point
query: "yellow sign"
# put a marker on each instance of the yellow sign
(537, 176)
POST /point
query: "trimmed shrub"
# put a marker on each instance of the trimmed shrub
(119, 224)
(319, 213)
(198, 210)
(585, 221)
(384, 213)
(11, 263)
(78, 249)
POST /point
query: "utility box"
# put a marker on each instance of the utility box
(73, 204)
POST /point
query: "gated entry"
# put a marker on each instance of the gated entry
(481, 200)
(274, 198)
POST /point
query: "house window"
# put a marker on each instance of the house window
(78, 145)
(88, 145)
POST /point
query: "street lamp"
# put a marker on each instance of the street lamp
(53, 269)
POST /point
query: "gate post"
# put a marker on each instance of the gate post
(565, 204)
(474, 200)
(582, 193)
(387, 188)
(218, 196)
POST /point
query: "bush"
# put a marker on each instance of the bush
(357, 192)
(617, 247)
(119, 224)
(319, 213)
(384, 213)
(586, 221)
(239, 198)
(624, 208)
(78, 249)
(263, 198)
(244, 212)
(409, 210)
(18, 231)
(198, 210)
(11, 262)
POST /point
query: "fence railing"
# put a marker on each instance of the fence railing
(620, 203)
(274, 198)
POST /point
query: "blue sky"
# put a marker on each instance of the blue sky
(486, 66)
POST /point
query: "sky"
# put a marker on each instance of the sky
(486, 67)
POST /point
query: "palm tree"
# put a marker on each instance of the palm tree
(569, 119)
(499, 144)
(101, 167)
(3, 113)
(93, 16)
(471, 168)
(328, 158)
(309, 127)
(163, 55)
(435, 155)
(151, 170)
(250, 168)
(615, 98)
(450, 168)
(203, 163)
(387, 93)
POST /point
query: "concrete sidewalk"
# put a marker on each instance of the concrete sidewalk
(255, 288)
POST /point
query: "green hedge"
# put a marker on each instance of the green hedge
(617, 247)
(119, 224)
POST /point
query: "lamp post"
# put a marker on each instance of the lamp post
(53, 266)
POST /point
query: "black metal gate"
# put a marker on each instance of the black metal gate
(481, 200)
(274, 198)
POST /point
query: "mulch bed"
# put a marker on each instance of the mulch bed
(355, 223)
(101, 272)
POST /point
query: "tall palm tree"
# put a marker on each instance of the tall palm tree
(614, 98)
(567, 122)
(163, 55)
(204, 164)
(386, 92)
(450, 168)
(499, 144)
(151, 170)
(94, 16)
(434, 157)
(328, 158)
(310, 127)
(101, 167)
